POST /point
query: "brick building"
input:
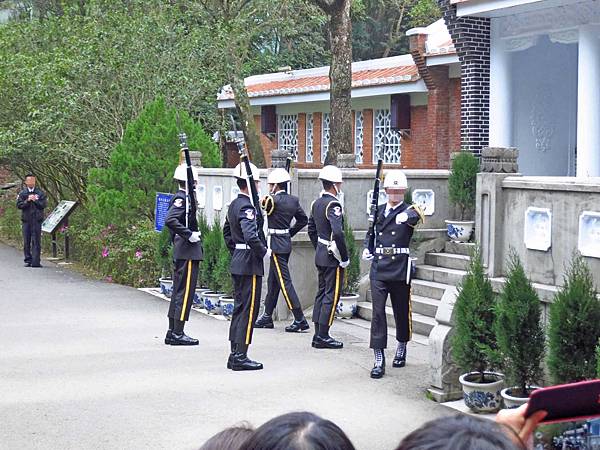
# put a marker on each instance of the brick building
(406, 109)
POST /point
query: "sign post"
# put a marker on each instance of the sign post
(59, 216)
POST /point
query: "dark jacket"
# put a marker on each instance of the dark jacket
(175, 221)
(327, 222)
(240, 229)
(393, 233)
(281, 209)
(33, 211)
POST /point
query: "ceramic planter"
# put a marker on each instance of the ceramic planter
(482, 397)
(511, 402)
(347, 306)
(226, 306)
(198, 298)
(459, 231)
(166, 286)
(211, 302)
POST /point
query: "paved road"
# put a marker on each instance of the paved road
(83, 365)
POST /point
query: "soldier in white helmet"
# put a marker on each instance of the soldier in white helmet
(247, 252)
(282, 208)
(187, 253)
(391, 270)
(326, 232)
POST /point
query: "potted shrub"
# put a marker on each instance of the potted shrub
(225, 283)
(164, 261)
(519, 334)
(347, 305)
(474, 341)
(598, 359)
(572, 343)
(461, 194)
(213, 245)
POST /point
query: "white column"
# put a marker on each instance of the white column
(500, 92)
(588, 102)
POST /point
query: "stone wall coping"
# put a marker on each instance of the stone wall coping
(370, 173)
(574, 184)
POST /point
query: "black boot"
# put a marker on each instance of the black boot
(297, 325)
(264, 321)
(230, 359)
(400, 357)
(241, 361)
(323, 340)
(379, 367)
(178, 337)
(169, 337)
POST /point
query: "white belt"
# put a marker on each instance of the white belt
(324, 241)
(391, 250)
(279, 231)
(242, 246)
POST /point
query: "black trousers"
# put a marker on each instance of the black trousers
(246, 293)
(185, 277)
(280, 280)
(331, 280)
(399, 293)
(32, 238)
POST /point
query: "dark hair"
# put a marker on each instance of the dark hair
(182, 184)
(327, 184)
(242, 184)
(232, 438)
(463, 432)
(299, 431)
(282, 186)
(29, 175)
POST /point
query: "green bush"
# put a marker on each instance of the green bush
(474, 341)
(462, 182)
(518, 329)
(574, 327)
(222, 275)
(10, 217)
(164, 253)
(352, 273)
(143, 164)
(598, 359)
(213, 245)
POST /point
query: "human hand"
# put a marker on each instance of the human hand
(515, 419)
(402, 217)
(269, 253)
(367, 255)
(195, 237)
(30, 197)
(345, 264)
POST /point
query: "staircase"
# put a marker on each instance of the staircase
(439, 271)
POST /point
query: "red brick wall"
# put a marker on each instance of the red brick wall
(367, 138)
(301, 137)
(267, 144)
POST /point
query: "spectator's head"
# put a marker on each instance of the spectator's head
(30, 180)
(463, 432)
(299, 431)
(232, 438)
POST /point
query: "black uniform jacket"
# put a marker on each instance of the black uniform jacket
(327, 222)
(32, 211)
(240, 229)
(392, 233)
(281, 208)
(175, 221)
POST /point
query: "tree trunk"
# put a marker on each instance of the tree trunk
(242, 105)
(340, 78)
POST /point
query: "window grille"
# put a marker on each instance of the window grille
(309, 138)
(287, 131)
(325, 137)
(386, 142)
(358, 136)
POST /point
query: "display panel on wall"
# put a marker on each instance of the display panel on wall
(424, 199)
(217, 198)
(588, 242)
(201, 196)
(538, 228)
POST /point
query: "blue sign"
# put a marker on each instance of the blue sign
(160, 211)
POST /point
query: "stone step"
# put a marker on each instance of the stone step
(424, 305)
(430, 289)
(448, 260)
(420, 324)
(452, 277)
(459, 248)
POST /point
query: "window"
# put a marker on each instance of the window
(386, 142)
(325, 138)
(309, 138)
(358, 136)
(287, 128)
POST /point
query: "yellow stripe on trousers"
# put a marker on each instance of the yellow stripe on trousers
(409, 313)
(335, 295)
(249, 330)
(281, 282)
(187, 289)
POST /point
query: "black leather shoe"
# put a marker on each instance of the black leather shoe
(399, 362)
(264, 322)
(27, 265)
(378, 371)
(230, 361)
(169, 337)
(37, 265)
(182, 339)
(297, 326)
(328, 342)
(240, 361)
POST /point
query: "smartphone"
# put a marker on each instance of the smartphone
(572, 402)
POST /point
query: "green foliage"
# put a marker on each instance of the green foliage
(474, 341)
(143, 164)
(352, 273)
(518, 328)
(574, 327)
(462, 182)
(223, 280)
(598, 359)
(212, 244)
(164, 253)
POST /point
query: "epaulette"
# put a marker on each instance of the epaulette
(268, 204)
(419, 211)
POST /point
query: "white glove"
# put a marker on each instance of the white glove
(402, 217)
(268, 254)
(195, 237)
(366, 255)
(345, 264)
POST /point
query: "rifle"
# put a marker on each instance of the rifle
(288, 168)
(244, 159)
(191, 220)
(374, 205)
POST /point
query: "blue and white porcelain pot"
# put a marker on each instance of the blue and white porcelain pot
(511, 401)
(226, 306)
(460, 231)
(482, 397)
(198, 299)
(211, 302)
(347, 306)
(166, 286)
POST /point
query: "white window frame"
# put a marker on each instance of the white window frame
(359, 127)
(385, 139)
(326, 126)
(287, 133)
(309, 138)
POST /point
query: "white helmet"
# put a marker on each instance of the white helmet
(331, 173)
(181, 173)
(395, 179)
(278, 175)
(240, 171)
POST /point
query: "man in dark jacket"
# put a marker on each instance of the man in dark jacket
(32, 201)
(187, 253)
(281, 209)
